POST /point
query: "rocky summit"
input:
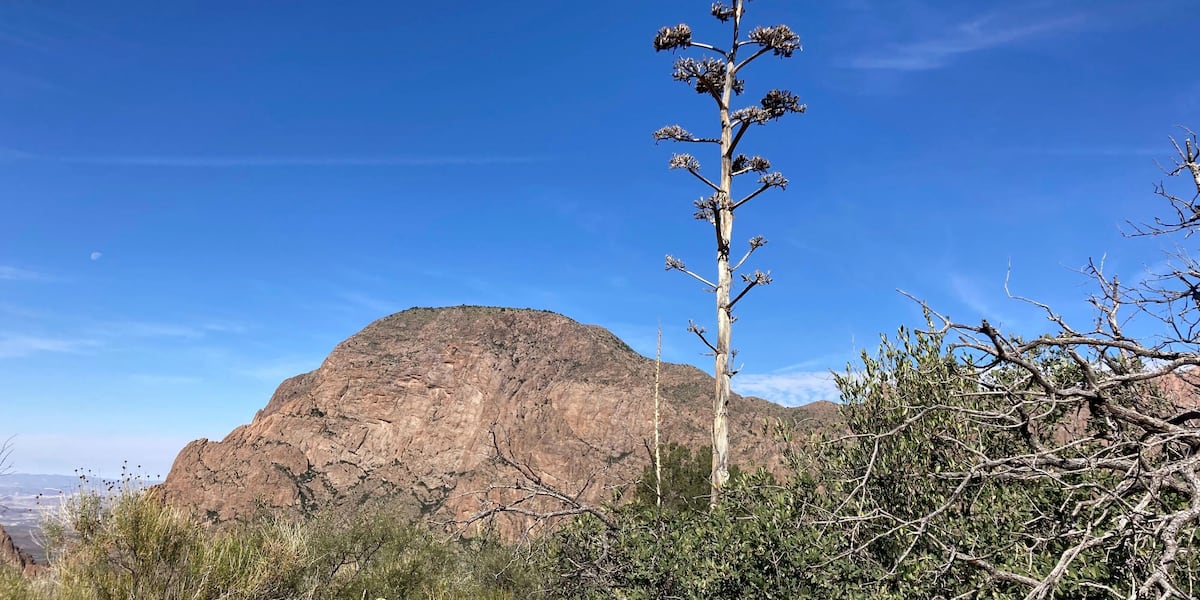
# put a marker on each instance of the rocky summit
(407, 408)
(13, 556)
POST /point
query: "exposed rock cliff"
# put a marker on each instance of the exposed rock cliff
(405, 406)
(13, 556)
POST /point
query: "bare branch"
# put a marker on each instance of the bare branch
(532, 486)
(759, 278)
(1186, 218)
(6, 450)
(766, 182)
(674, 264)
(707, 76)
(774, 105)
(676, 133)
(743, 164)
(756, 242)
(689, 163)
(699, 331)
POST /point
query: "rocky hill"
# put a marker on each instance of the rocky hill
(405, 408)
(13, 556)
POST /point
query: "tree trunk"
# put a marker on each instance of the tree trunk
(724, 227)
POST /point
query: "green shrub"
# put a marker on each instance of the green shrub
(127, 544)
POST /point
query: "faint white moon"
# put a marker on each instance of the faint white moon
(97, 255)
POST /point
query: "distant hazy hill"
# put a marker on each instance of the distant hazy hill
(26, 497)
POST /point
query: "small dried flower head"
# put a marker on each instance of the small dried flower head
(775, 179)
(759, 278)
(750, 114)
(706, 75)
(758, 241)
(672, 132)
(674, 263)
(781, 102)
(706, 209)
(755, 163)
(684, 161)
(673, 38)
(780, 39)
(723, 12)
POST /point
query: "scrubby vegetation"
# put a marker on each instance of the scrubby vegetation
(969, 464)
(920, 495)
(129, 545)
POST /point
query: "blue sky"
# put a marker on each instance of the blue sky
(200, 199)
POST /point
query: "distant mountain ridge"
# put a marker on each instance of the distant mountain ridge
(27, 498)
(404, 409)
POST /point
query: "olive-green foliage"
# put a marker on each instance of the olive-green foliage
(753, 545)
(951, 473)
(14, 586)
(763, 541)
(377, 550)
(685, 479)
(129, 545)
(886, 509)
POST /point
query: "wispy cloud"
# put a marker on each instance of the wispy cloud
(8, 154)
(277, 370)
(969, 294)
(147, 329)
(380, 307)
(16, 274)
(789, 389)
(17, 346)
(154, 329)
(989, 301)
(939, 50)
(96, 337)
(156, 380)
(225, 327)
(223, 162)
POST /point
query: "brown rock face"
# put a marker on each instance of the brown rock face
(404, 408)
(13, 556)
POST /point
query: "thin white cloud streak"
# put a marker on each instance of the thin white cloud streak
(100, 336)
(789, 389)
(160, 380)
(969, 294)
(379, 307)
(146, 329)
(9, 273)
(276, 371)
(225, 327)
(8, 154)
(18, 346)
(21, 312)
(222, 162)
(152, 329)
(974, 36)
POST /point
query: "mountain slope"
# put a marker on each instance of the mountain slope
(406, 406)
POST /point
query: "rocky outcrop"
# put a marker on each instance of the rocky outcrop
(406, 408)
(13, 556)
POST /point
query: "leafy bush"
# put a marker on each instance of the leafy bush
(128, 544)
(685, 479)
